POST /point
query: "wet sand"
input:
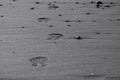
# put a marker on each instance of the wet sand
(79, 38)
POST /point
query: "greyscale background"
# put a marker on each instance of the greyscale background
(59, 39)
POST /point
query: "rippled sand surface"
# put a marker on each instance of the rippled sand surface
(79, 39)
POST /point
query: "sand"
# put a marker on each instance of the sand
(87, 50)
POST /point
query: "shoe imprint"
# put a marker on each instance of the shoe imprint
(43, 19)
(54, 36)
(39, 61)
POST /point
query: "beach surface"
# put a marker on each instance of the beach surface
(80, 39)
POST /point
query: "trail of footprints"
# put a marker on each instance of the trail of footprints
(54, 6)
